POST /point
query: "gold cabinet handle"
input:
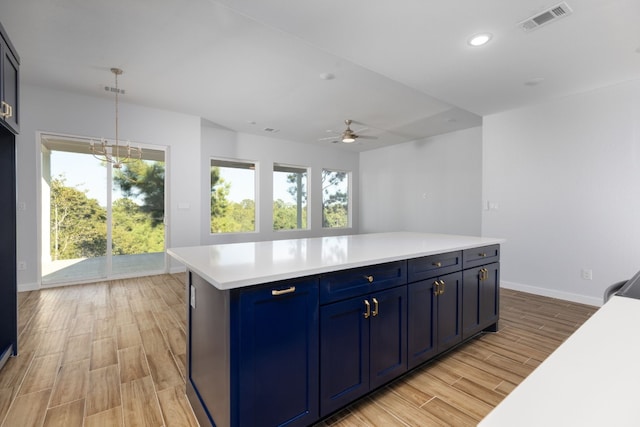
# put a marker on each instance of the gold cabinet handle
(10, 111)
(375, 308)
(276, 292)
(369, 278)
(442, 289)
(484, 274)
(437, 264)
(367, 313)
(482, 254)
(6, 110)
(436, 288)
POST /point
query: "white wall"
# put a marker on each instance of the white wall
(265, 152)
(431, 185)
(566, 177)
(60, 112)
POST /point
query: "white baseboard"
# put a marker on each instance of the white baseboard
(567, 296)
(24, 287)
(178, 269)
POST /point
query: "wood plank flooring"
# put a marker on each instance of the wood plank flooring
(113, 354)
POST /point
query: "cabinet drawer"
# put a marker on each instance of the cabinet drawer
(480, 256)
(344, 284)
(434, 265)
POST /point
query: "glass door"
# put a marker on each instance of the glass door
(99, 222)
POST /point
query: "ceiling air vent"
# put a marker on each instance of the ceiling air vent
(552, 14)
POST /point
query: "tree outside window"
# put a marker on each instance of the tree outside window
(289, 197)
(232, 196)
(335, 199)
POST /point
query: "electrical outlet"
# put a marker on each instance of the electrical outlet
(587, 274)
(22, 265)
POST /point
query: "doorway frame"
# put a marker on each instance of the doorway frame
(39, 212)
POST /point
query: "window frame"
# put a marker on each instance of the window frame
(349, 176)
(301, 209)
(238, 164)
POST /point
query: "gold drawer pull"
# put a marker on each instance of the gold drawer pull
(6, 110)
(369, 278)
(276, 292)
(375, 308)
(367, 313)
(436, 288)
(442, 289)
(437, 264)
(482, 254)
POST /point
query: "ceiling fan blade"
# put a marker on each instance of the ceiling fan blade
(367, 137)
(336, 137)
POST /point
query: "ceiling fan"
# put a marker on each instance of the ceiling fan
(348, 135)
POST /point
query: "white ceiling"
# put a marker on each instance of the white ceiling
(403, 68)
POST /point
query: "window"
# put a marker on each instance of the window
(335, 199)
(289, 197)
(232, 196)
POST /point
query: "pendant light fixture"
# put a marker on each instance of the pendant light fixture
(115, 154)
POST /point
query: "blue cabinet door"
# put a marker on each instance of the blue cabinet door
(480, 299)
(434, 317)
(449, 306)
(344, 353)
(277, 355)
(421, 321)
(388, 335)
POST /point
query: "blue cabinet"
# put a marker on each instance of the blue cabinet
(362, 345)
(9, 72)
(288, 353)
(434, 317)
(9, 84)
(277, 354)
(480, 299)
(253, 353)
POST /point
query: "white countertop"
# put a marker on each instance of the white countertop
(592, 379)
(236, 265)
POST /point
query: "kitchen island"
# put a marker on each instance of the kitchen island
(287, 332)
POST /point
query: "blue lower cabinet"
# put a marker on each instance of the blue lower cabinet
(480, 299)
(434, 317)
(362, 346)
(277, 355)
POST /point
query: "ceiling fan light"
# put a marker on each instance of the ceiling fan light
(348, 139)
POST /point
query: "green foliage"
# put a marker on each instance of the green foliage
(144, 180)
(134, 231)
(285, 216)
(335, 203)
(78, 223)
(236, 218)
(228, 216)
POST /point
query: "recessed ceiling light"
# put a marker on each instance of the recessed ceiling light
(327, 76)
(479, 39)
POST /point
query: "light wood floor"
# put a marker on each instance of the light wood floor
(113, 354)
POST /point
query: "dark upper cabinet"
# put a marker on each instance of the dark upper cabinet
(8, 131)
(9, 84)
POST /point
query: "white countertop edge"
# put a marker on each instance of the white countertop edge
(387, 254)
(592, 379)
